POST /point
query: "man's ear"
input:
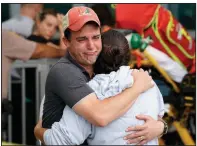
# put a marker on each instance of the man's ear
(66, 42)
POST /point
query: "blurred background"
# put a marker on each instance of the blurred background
(26, 81)
(185, 13)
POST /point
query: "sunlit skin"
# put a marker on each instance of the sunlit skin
(47, 28)
(85, 45)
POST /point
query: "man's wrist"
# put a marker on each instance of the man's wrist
(165, 127)
(136, 89)
(39, 133)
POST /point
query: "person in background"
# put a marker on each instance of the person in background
(16, 47)
(24, 22)
(47, 24)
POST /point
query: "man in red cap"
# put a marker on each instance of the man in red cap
(66, 81)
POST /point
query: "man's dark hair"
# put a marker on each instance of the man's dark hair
(67, 34)
(115, 52)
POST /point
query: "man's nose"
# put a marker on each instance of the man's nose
(90, 44)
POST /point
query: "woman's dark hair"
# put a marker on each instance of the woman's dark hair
(115, 52)
(46, 12)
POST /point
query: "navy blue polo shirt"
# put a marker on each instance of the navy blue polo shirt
(65, 85)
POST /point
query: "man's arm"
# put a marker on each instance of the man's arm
(101, 113)
(46, 51)
(152, 128)
(149, 130)
(39, 131)
(17, 47)
(72, 129)
(69, 84)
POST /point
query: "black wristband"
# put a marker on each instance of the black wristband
(165, 130)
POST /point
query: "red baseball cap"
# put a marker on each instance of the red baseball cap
(76, 17)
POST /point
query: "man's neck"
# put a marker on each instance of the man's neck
(27, 13)
(88, 68)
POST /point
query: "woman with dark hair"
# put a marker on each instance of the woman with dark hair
(115, 53)
(47, 24)
(113, 76)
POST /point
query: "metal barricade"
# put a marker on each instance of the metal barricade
(42, 67)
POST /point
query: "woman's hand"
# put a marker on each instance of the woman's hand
(143, 133)
(60, 19)
(60, 26)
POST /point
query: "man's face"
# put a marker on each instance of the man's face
(38, 7)
(33, 9)
(85, 44)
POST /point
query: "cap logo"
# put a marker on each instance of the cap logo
(85, 12)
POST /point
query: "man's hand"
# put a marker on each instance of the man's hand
(146, 132)
(142, 80)
(39, 131)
